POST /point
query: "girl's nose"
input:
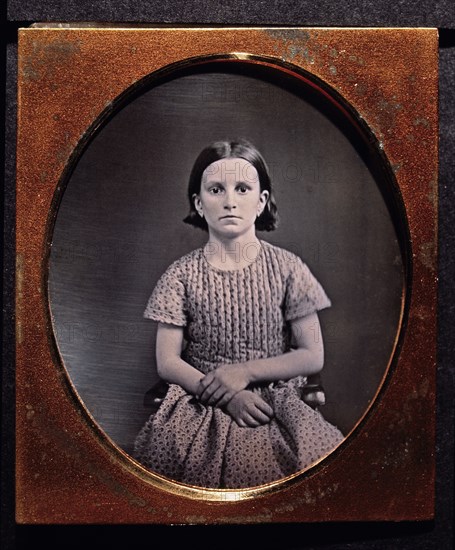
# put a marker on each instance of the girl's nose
(230, 200)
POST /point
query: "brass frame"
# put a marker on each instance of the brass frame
(385, 81)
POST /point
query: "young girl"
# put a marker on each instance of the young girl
(233, 416)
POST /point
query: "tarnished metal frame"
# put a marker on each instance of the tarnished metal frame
(385, 83)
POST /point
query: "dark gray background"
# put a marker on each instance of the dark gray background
(382, 535)
(119, 226)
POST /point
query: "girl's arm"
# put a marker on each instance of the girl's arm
(306, 359)
(171, 367)
(219, 386)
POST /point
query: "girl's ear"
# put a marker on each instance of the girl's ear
(263, 198)
(198, 205)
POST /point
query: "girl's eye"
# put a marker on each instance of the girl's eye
(242, 189)
(215, 190)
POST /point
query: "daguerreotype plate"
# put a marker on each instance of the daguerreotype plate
(111, 121)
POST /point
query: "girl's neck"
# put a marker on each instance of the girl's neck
(231, 254)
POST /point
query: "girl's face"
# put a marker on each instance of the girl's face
(230, 198)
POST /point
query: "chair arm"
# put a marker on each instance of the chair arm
(313, 393)
(155, 395)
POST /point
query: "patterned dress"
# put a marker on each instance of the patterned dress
(232, 317)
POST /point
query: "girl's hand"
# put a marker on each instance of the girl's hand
(218, 387)
(249, 410)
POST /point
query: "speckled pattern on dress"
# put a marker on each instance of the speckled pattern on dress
(231, 317)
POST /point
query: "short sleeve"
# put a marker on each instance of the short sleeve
(304, 294)
(167, 304)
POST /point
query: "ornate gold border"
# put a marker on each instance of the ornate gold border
(57, 59)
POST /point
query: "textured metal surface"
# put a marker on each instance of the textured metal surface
(67, 471)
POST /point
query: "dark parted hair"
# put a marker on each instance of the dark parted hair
(238, 148)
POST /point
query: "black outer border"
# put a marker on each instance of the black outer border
(351, 13)
(437, 534)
